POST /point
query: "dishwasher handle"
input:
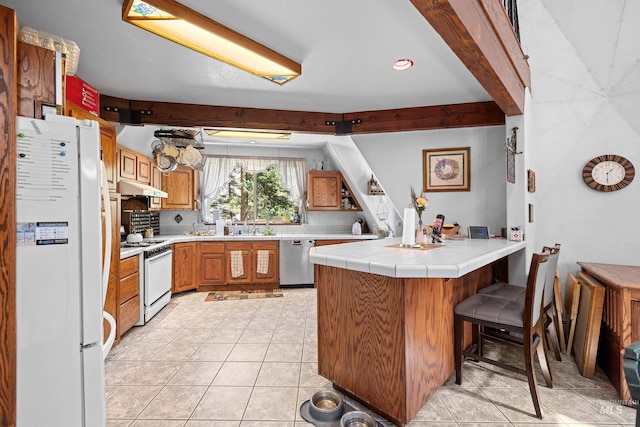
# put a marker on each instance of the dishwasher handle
(303, 243)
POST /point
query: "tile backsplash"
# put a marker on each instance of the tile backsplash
(318, 222)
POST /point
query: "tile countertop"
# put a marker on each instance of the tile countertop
(454, 259)
(179, 238)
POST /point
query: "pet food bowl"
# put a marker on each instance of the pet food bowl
(357, 419)
(326, 405)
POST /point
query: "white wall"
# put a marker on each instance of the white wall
(578, 115)
(396, 160)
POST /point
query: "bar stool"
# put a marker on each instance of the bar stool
(522, 318)
(517, 293)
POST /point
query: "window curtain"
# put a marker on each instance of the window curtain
(217, 170)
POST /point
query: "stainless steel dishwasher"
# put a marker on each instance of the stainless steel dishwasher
(295, 268)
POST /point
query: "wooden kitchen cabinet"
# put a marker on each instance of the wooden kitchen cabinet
(128, 294)
(134, 166)
(216, 271)
(143, 171)
(107, 141)
(240, 275)
(184, 267)
(272, 275)
(211, 266)
(156, 182)
(35, 79)
(250, 278)
(328, 191)
(182, 188)
(128, 164)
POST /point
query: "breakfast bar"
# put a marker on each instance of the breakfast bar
(385, 315)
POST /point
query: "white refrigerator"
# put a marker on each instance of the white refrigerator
(59, 289)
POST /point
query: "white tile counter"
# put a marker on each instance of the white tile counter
(454, 259)
(178, 238)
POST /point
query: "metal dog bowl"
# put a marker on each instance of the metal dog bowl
(357, 419)
(326, 405)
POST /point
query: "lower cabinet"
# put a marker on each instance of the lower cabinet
(184, 267)
(211, 268)
(238, 265)
(265, 262)
(237, 261)
(129, 294)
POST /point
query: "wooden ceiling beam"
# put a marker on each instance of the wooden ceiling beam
(174, 114)
(427, 118)
(480, 34)
(404, 119)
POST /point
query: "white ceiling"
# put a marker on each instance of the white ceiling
(346, 49)
(606, 37)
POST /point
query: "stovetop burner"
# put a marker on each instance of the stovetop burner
(143, 244)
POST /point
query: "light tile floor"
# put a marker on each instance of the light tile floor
(252, 363)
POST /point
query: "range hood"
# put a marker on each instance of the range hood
(133, 188)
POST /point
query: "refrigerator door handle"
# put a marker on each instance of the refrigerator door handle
(106, 264)
(108, 343)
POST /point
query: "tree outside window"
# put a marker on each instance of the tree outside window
(254, 197)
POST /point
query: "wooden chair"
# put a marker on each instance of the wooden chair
(517, 293)
(558, 318)
(572, 303)
(524, 319)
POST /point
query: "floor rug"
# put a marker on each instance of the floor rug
(231, 295)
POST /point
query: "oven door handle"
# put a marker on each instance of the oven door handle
(160, 255)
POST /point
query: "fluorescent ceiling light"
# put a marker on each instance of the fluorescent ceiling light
(178, 23)
(250, 134)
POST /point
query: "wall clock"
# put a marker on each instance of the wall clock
(608, 172)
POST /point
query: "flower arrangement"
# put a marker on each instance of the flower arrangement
(419, 204)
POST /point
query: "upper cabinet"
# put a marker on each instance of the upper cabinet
(182, 187)
(36, 79)
(134, 166)
(328, 191)
(156, 182)
(107, 140)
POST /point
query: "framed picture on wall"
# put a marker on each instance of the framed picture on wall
(446, 169)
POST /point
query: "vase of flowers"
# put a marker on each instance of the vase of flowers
(420, 205)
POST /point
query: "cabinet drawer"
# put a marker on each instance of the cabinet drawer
(211, 247)
(266, 245)
(129, 287)
(129, 314)
(238, 246)
(129, 266)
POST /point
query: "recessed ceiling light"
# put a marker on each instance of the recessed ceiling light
(252, 142)
(402, 64)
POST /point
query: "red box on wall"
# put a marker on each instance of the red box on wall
(83, 95)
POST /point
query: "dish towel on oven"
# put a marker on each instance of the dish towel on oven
(237, 269)
(263, 262)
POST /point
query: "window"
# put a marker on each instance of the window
(257, 196)
(253, 189)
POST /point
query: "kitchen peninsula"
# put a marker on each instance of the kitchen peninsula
(385, 315)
